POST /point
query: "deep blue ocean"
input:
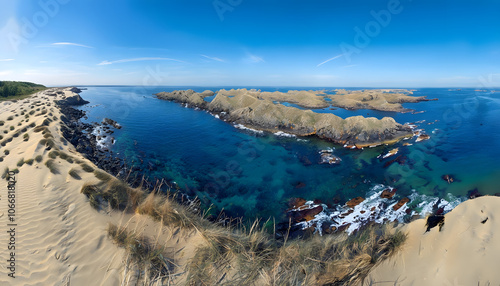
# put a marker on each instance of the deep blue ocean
(253, 175)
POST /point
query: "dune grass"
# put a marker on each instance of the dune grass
(51, 164)
(20, 163)
(248, 254)
(53, 154)
(74, 174)
(47, 143)
(101, 175)
(5, 173)
(143, 253)
(39, 158)
(29, 162)
(86, 168)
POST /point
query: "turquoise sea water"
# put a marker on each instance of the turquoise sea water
(253, 175)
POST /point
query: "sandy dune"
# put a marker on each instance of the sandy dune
(59, 238)
(465, 251)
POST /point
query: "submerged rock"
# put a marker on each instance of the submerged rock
(448, 178)
(327, 157)
(422, 137)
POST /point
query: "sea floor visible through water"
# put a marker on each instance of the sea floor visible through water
(255, 174)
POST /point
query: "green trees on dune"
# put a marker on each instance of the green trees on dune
(18, 88)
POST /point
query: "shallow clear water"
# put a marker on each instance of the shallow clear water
(254, 175)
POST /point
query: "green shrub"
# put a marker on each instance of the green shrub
(29, 162)
(10, 118)
(39, 158)
(6, 152)
(26, 137)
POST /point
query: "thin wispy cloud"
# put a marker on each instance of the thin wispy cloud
(103, 63)
(349, 66)
(71, 44)
(253, 59)
(331, 59)
(214, 58)
(6, 60)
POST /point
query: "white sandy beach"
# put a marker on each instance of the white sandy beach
(59, 238)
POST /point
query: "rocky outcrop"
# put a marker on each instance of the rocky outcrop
(71, 97)
(189, 97)
(246, 108)
(375, 99)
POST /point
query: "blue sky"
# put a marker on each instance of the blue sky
(355, 43)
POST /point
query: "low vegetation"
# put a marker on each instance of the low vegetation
(74, 174)
(15, 90)
(51, 164)
(241, 254)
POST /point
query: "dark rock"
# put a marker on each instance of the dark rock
(472, 194)
(305, 214)
(388, 193)
(296, 202)
(433, 221)
(448, 178)
(354, 202)
(401, 203)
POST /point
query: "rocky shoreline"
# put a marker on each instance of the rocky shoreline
(253, 110)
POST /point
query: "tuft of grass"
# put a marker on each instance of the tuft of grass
(2, 123)
(63, 155)
(29, 161)
(101, 175)
(39, 158)
(116, 194)
(93, 193)
(48, 135)
(11, 128)
(26, 137)
(47, 143)
(51, 164)
(6, 152)
(39, 128)
(1, 159)
(53, 154)
(74, 173)
(146, 255)
(10, 118)
(32, 124)
(20, 163)
(5, 173)
(87, 168)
